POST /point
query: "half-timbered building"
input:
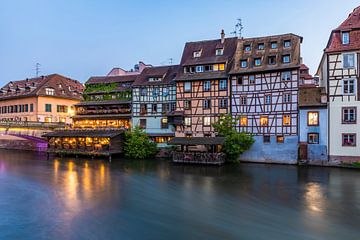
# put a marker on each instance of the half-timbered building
(154, 96)
(264, 95)
(202, 86)
(339, 74)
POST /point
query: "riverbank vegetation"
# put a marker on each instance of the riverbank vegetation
(138, 145)
(236, 142)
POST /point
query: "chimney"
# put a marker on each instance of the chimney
(222, 36)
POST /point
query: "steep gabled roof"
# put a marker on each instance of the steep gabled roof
(166, 73)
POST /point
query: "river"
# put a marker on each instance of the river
(94, 199)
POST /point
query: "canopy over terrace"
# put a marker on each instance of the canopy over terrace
(86, 142)
(198, 150)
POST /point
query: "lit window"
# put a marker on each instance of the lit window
(313, 138)
(187, 121)
(207, 121)
(280, 139)
(349, 115)
(349, 140)
(207, 86)
(243, 63)
(196, 54)
(221, 67)
(206, 103)
(287, 43)
(313, 118)
(243, 100)
(164, 123)
(223, 103)
(243, 121)
(247, 48)
(345, 38)
(48, 119)
(187, 86)
(273, 45)
(267, 99)
(219, 51)
(286, 76)
(223, 84)
(286, 58)
(257, 62)
(49, 91)
(199, 68)
(349, 86)
(286, 120)
(264, 121)
(261, 46)
(349, 60)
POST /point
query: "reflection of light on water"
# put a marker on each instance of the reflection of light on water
(56, 167)
(2, 167)
(314, 198)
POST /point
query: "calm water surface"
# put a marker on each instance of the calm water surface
(84, 199)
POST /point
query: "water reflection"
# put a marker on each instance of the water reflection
(314, 198)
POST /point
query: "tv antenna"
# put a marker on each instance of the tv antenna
(171, 61)
(37, 69)
(238, 28)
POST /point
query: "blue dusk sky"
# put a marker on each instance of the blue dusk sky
(83, 38)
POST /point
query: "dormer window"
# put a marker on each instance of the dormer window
(257, 62)
(287, 43)
(273, 45)
(272, 60)
(60, 86)
(286, 58)
(196, 54)
(243, 63)
(261, 46)
(247, 48)
(154, 79)
(345, 38)
(219, 51)
(49, 91)
(199, 69)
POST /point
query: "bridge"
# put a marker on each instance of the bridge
(26, 135)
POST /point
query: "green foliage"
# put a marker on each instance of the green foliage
(138, 145)
(235, 143)
(356, 164)
(123, 95)
(100, 87)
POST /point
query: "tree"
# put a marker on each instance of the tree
(138, 145)
(235, 143)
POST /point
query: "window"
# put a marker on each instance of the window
(243, 121)
(261, 46)
(187, 104)
(47, 107)
(345, 38)
(268, 99)
(257, 62)
(287, 43)
(313, 138)
(243, 63)
(247, 48)
(154, 108)
(199, 68)
(207, 86)
(286, 120)
(349, 115)
(219, 67)
(280, 139)
(223, 103)
(165, 92)
(349, 86)
(240, 80)
(286, 58)
(206, 104)
(209, 68)
(187, 121)
(26, 107)
(273, 45)
(223, 84)
(251, 79)
(286, 76)
(313, 118)
(196, 54)
(264, 121)
(62, 120)
(155, 92)
(207, 121)
(266, 139)
(164, 123)
(287, 97)
(154, 79)
(272, 60)
(142, 123)
(49, 91)
(243, 100)
(143, 109)
(349, 60)
(349, 139)
(62, 109)
(173, 106)
(48, 119)
(187, 86)
(31, 107)
(219, 51)
(165, 107)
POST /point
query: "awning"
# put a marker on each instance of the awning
(197, 141)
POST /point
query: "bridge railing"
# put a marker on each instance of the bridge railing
(30, 124)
